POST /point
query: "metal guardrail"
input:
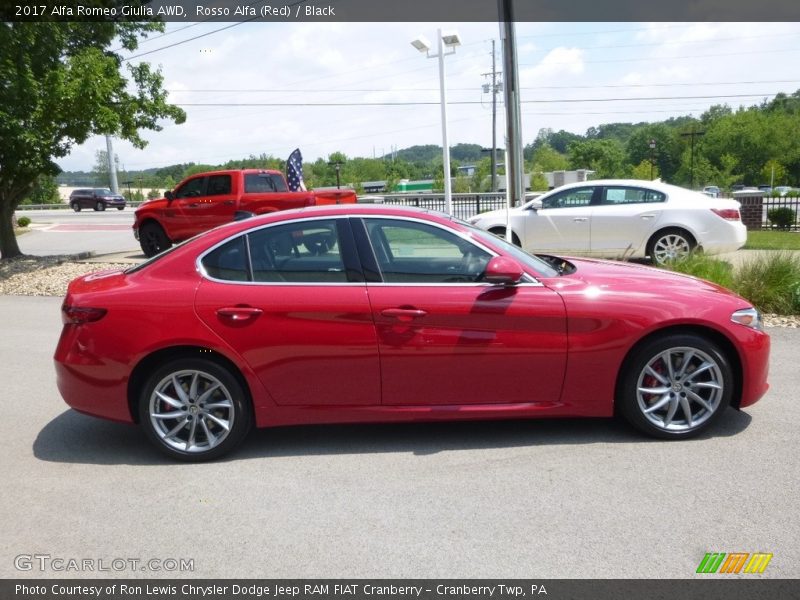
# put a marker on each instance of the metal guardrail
(464, 205)
(61, 206)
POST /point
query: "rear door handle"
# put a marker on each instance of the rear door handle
(229, 203)
(239, 313)
(645, 217)
(580, 219)
(404, 314)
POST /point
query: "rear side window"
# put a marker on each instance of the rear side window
(626, 195)
(219, 185)
(228, 262)
(307, 252)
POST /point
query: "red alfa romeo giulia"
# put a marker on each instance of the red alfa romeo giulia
(377, 314)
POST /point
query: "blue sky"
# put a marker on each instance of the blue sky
(572, 76)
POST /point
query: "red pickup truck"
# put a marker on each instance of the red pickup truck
(205, 200)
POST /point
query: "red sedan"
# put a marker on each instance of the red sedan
(377, 314)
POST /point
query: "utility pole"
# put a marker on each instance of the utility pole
(692, 134)
(112, 168)
(494, 89)
(514, 172)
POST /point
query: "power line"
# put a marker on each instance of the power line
(658, 58)
(468, 102)
(472, 89)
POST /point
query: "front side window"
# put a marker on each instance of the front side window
(305, 252)
(628, 195)
(413, 252)
(569, 198)
(193, 187)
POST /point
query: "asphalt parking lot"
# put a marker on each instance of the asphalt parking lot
(532, 499)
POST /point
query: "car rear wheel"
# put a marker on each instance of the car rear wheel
(152, 239)
(676, 386)
(100, 205)
(194, 410)
(670, 245)
(76, 207)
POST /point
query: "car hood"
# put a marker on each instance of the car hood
(602, 277)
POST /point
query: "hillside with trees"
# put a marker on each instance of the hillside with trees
(750, 145)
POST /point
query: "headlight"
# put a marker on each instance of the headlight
(749, 317)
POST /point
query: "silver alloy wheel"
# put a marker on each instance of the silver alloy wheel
(191, 411)
(680, 388)
(672, 246)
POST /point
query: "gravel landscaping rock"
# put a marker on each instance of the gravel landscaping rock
(50, 275)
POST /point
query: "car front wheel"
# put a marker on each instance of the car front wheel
(100, 205)
(76, 207)
(676, 386)
(194, 410)
(152, 239)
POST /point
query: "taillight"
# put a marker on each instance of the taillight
(729, 214)
(78, 315)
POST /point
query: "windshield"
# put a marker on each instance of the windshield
(528, 260)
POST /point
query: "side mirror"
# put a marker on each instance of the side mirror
(536, 204)
(502, 270)
(169, 195)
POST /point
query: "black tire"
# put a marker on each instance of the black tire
(701, 390)
(100, 206)
(76, 207)
(120, 208)
(152, 239)
(197, 431)
(501, 232)
(670, 244)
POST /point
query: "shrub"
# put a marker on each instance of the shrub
(783, 217)
(771, 281)
(704, 267)
(23, 222)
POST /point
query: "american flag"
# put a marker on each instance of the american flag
(294, 171)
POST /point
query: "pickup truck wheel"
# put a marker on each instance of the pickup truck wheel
(152, 239)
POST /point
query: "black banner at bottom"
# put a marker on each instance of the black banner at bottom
(717, 588)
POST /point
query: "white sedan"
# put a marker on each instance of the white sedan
(622, 218)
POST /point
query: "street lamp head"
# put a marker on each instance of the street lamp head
(451, 39)
(422, 44)
(652, 144)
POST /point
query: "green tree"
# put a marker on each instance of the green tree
(546, 159)
(61, 83)
(773, 172)
(45, 191)
(605, 157)
(645, 170)
(102, 177)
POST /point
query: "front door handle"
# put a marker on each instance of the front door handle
(404, 314)
(646, 217)
(580, 219)
(229, 202)
(239, 313)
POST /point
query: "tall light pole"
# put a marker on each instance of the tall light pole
(652, 145)
(449, 40)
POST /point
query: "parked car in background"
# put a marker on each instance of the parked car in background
(712, 191)
(622, 218)
(370, 313)
(767, 189)
(95, 198)
(205, 200)
(782, 190)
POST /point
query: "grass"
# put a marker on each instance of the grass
(773, 240)
(771, 281)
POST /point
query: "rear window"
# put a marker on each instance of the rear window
(264, 183)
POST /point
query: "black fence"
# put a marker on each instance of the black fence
(781, 213)
(464, 205)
